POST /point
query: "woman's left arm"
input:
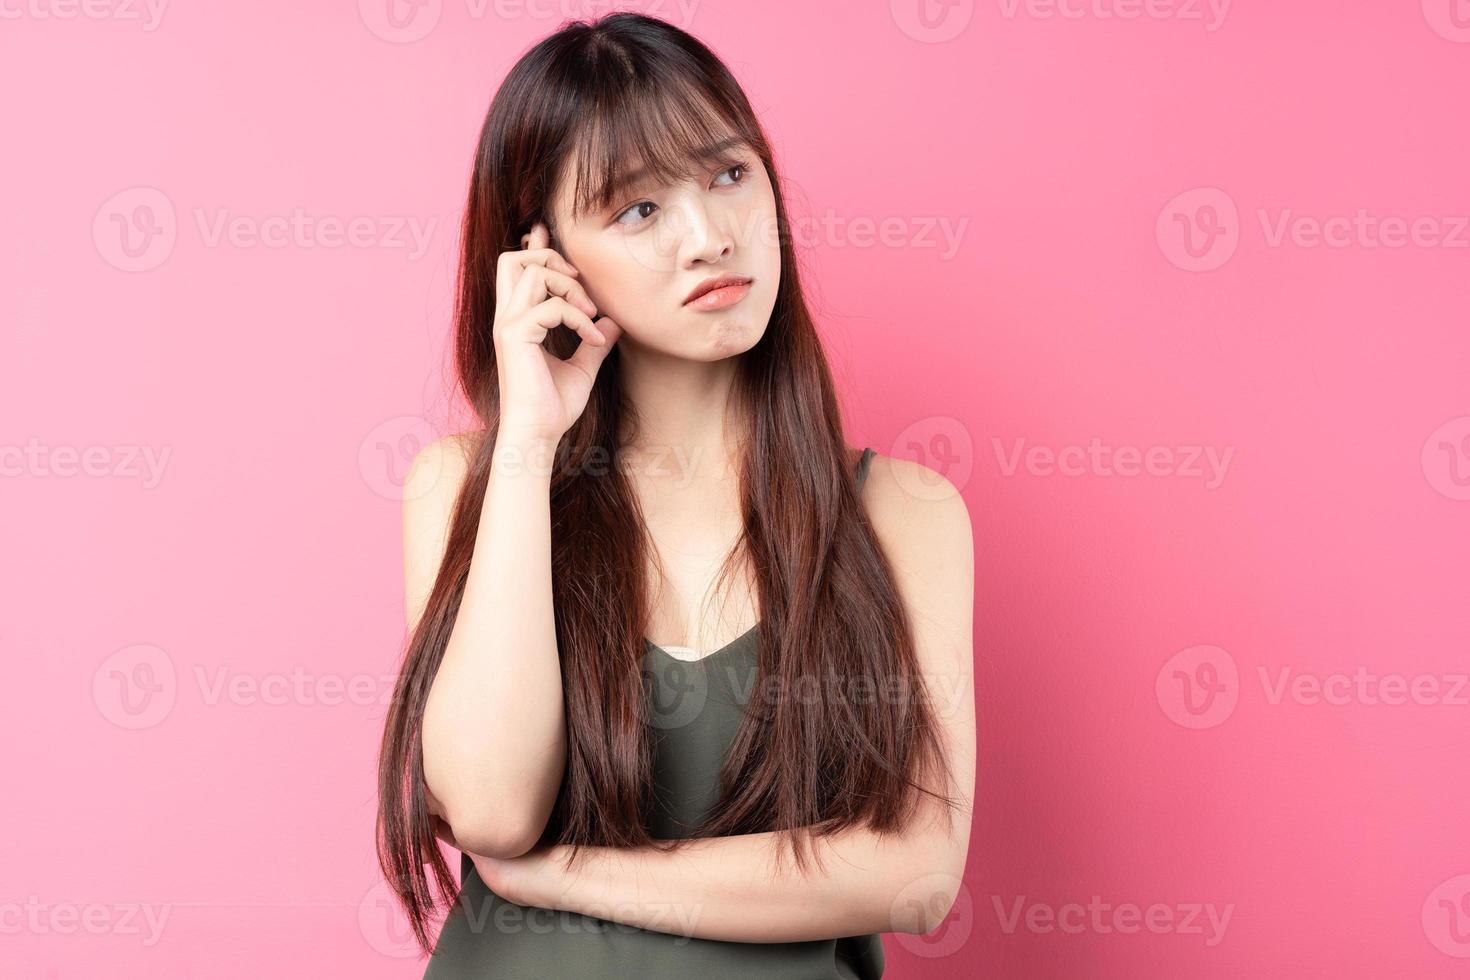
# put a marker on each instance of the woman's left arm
(731, 888)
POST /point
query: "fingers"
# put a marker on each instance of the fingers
(553, 312)
(589, 356)
(512, 263)
(537, 282)
(511, 267)
(537, 290)
(538, 237)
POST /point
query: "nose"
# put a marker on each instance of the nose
(704, 237)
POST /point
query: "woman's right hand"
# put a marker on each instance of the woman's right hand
(536, 291)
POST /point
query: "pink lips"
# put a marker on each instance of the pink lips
(721, 298)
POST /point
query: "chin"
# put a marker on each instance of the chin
(734, 332)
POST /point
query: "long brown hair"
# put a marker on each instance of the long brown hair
(587, 100)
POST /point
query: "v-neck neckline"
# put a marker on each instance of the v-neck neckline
(748, 634)
(861, 475)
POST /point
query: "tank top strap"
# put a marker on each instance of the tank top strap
(862, 466)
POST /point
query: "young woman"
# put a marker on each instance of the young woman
(660, 428)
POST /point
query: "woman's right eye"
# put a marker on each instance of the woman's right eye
(631, 210)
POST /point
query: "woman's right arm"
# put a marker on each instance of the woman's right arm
(494, 736)
(494, 739)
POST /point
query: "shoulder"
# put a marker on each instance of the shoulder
(915, 508)
(923, 525)
(438, 470)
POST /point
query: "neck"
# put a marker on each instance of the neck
(686, 425)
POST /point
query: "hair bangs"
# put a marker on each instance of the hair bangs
(650, 134)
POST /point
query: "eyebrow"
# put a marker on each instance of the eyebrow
(636, 177)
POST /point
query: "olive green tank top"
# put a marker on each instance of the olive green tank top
(695, 708)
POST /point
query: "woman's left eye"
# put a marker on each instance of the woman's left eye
(744, 168)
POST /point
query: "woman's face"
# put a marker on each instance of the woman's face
(643, 255)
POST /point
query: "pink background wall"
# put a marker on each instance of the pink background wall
(1195, 348)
